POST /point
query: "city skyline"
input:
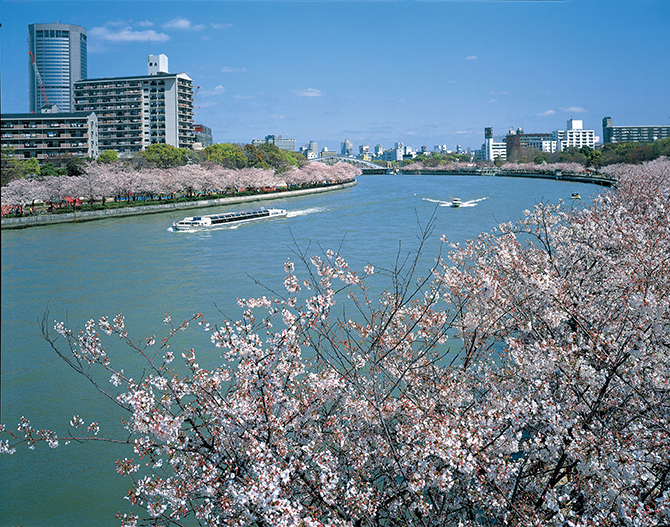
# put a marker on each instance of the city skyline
(421, 73)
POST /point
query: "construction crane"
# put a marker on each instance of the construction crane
(39, 79)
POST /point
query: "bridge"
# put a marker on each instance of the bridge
(347, 159)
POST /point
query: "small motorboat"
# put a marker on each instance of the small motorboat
(575, 195)
(456, 202)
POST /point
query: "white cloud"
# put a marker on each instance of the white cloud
(228, 69)
(278, 117)
(244, 97)
(493, 100)
(182, 23)
(309, 92)
(221, 26)
(219, 89)
(574, 109)
(548, 113)
(145, 23)
(127, 34)
(471, 57)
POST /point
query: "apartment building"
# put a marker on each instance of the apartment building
(574, 136)
(632, 134)
(137, 111)
(50, 135)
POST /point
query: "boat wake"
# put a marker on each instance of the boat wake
(442, 203)
(305, 212)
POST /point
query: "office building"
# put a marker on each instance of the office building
(632, 134)
(277, 140)
(50, 135)
(137, 111)
(57, 59)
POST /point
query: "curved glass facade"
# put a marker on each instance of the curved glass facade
(60, 54)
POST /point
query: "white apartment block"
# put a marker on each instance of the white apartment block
(574, 136)
(135, 112)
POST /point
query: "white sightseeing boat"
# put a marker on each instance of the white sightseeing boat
(456, 202)
(226, 219)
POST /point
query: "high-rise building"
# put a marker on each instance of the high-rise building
(59, 53)
(135, 112)
(346, 148)
(632, 134)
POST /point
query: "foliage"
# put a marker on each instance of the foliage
(13, 168)
(163, 155)
(108, 156)
(227, 155)
(49, 169)
(336, 409)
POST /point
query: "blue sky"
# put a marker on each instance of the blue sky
(417, 72)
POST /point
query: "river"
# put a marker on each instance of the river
(139, 267)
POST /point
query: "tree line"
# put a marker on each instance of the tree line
(227, 155)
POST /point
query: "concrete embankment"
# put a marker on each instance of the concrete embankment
(71, 217)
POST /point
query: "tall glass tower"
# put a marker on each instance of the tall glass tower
(59, 52)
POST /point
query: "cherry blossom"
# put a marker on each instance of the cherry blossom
(527, 382)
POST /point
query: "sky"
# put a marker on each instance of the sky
(423, 73)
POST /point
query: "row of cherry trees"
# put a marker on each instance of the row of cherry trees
(406, 411)
(116, 180)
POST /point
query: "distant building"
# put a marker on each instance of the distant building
(347, 148)
(311, 150)
(60, 52)
(135, 112)
(203, 135)
(491, 150)
(632, 134)
(50, 134)
(378, 151)
(277, 140)
(327, 153)
(574, 136)
(515, 140)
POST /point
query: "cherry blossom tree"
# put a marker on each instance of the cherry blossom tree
(526, 382)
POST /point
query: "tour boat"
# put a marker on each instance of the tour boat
(456, 202)
(226, 219)
(575, 195)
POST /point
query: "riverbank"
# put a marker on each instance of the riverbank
(581, 177)
(72, 217)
